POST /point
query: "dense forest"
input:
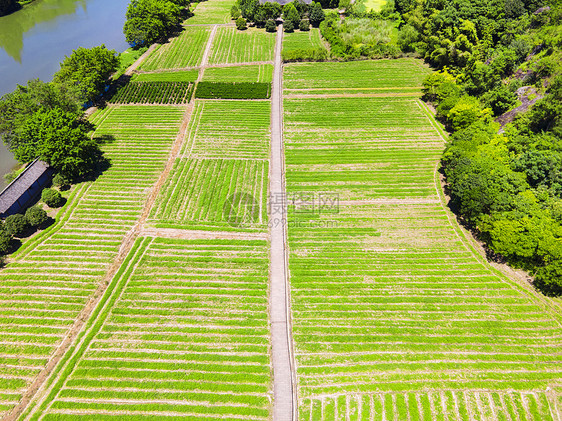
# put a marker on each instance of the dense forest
(498, 89)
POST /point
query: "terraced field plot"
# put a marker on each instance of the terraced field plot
(302, 40)
(379, 76)
(45, 289)
(169, 76)
(394, 318)
(154, 93)
(186, 50)
(186, 335)
(211, 12)
(229, 128)
(233, 46)
(222, 164)
(252, 73)
(359, 154)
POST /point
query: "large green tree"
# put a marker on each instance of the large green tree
(86, 70)
(151, 20)
(61, 139)
(18, 106)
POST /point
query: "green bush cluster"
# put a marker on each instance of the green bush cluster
(236, 90)
(154, 93)
(52, 198)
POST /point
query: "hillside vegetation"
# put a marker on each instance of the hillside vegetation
(500, 68)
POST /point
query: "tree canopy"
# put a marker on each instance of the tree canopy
(85, 72)
(151, 20)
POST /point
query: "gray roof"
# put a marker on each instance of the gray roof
(21, 184)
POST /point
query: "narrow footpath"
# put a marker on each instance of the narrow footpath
(284, 376)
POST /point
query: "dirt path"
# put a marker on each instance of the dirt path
(284, 374)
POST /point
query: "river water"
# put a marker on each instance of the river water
(34, 40)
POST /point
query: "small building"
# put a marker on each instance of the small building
(21, 192)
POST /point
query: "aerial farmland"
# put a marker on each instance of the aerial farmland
(272, 240)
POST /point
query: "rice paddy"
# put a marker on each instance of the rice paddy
(395, 316)
(234, 46)
(53, 277)
(185, 335)
(218, 165)
(186, 50)
(261, 73)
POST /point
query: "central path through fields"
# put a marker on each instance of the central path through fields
(284, 384)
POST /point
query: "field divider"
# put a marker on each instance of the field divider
(284, 372)
(50, 389)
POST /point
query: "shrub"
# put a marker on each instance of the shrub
(241, 24)
(304, 25)
(36, 216)
(270, 26)
(289, 27)
(317, 15)
(235, 12)
(239, 90)
(61, 180)
(52, 198)
(16, 224)
(5, 239)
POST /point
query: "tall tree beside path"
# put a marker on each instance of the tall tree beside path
(151, 20)
(86, 70)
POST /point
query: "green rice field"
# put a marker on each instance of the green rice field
(186, 50)
(185, 336)
(53, 276)
(395, 316)
(261, 73)
(219, 165)
(233, 46)
(211, 12)
(302, 40)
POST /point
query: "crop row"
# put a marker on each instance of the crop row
(235, 90)
(186, 50)
(233, 46)
(359, 76)
(154, 93)
(228, 129)
(302, 40)
(47, 286)
(453, 406)
(357, 146)
(210, 12)
(195, 344)
(167, 76)
(214, 192)
(387, 299)
(261, 73)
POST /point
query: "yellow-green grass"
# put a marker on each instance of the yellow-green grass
(252, 73)
(185, 50)
(375, 5)
(233, 46)
(45, 289)
(185, 334)
(211, 12)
